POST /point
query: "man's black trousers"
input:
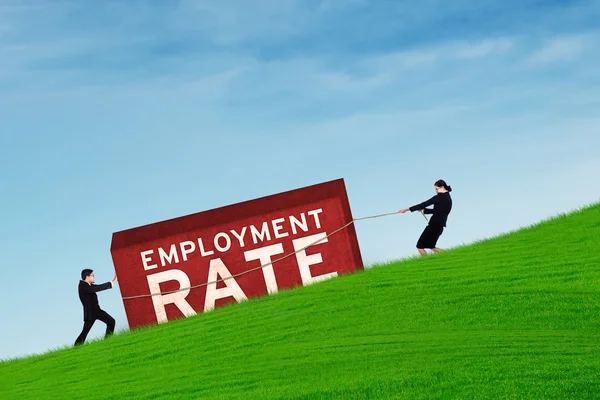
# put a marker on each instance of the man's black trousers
(87, 326)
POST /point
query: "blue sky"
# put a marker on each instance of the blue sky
(118, 114)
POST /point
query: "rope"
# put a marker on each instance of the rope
(267, 264)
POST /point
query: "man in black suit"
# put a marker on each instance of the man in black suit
(91, 308)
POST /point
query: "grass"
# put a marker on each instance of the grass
(513, 317)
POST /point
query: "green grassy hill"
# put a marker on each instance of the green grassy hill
(513, 317)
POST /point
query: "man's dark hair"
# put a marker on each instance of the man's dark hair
(85, 273)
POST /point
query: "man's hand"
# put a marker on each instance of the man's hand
(114, 279)
(404, 210)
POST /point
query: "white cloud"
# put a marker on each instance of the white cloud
(560, 49)
(333, 5)
(483, 48)
(18, 7)
(454, 70)
(231, 22)
(405, 60)
(345, 82)
(437, 54)
(366, 126)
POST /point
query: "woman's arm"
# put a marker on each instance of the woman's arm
(424, 204)
(421, 206)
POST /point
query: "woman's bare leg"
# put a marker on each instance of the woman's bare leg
(437, 249)
(423, 252)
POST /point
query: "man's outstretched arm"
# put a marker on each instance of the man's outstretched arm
(93, 288)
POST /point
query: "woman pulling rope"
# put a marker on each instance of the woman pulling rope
(442, 204)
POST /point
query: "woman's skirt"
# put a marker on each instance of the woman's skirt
(430, 236)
